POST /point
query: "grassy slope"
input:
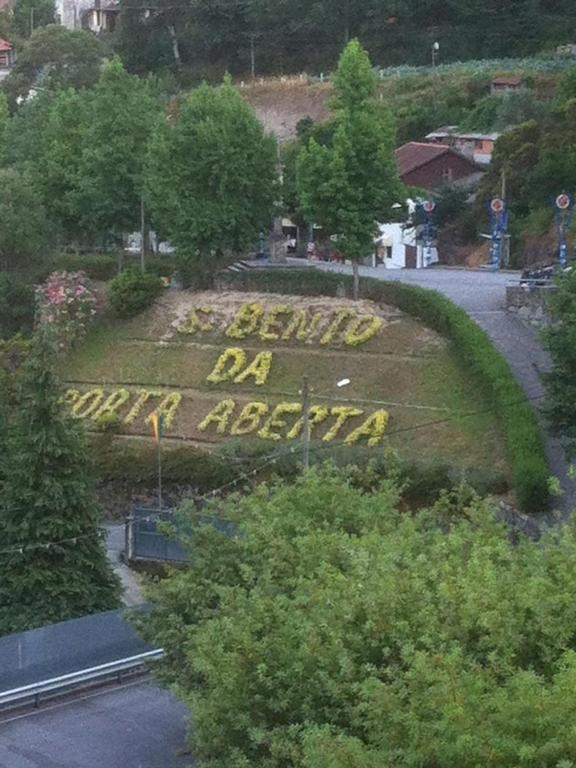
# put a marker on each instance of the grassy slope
(407, 365)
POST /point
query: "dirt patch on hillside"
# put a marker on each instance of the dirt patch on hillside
(281, 105)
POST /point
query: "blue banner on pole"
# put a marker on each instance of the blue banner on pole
(564, 210)
(499, 230)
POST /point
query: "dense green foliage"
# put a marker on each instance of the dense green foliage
(133, 291)
(96, 266)
(559, 339)
(133, 466)
(333, 630)
(53, 565)
(210, 180)
(31, 14)
(54, 57)
(211, 37)
(491, 371)
(121, 118)
(23, 221)
(16, 307)
(351, 183)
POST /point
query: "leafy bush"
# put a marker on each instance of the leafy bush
(66, 305)
(503, 393)
(16, 307)
(95, 266)
(133, 291)
(336, 632)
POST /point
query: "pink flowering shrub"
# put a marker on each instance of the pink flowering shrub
(66, 303)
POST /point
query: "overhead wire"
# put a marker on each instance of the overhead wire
(267, 461)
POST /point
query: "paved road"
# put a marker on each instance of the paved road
(136, 726)
(132, 594)
(482, 295)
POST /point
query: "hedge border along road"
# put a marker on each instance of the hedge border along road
(522, 434)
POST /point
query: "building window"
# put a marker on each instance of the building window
(388, 251)
(447, 175)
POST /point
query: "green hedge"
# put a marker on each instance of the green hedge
(134, 464)
(96, 266)
(524, 443)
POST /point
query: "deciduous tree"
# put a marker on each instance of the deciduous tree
(54, 57)
(351, 184)
(211, 177)
(24, 228)
(332, 630)
(122, 114)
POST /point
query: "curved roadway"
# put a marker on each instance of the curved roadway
(483, 294)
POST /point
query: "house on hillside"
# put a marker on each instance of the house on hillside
(93, 15)
(501, 85)
(478, 146)
(429, 166)
(7, 57)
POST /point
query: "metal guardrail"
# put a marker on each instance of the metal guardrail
(75, 679)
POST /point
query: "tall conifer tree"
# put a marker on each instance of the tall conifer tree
(53, 563)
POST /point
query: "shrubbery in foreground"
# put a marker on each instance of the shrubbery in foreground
(335, 631)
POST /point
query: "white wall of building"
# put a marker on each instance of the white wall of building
(391, 247)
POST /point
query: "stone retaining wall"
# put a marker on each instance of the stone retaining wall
(530, 304)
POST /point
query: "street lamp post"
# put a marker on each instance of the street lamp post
(305, 392)
(435, 52)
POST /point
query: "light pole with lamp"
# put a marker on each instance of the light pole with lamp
(435, 52)
(306, 416)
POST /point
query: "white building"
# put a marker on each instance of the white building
(401, 246)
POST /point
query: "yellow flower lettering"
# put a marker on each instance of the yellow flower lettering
(219, 415)
(246, 321)
(373, 428)
(195, 323)
(259, 368)
(232, 355)
(271, 322)
(275, 420)
(87, 403)
(342, 413)
(318, 414)
(362, 329)
(112, 403)
(336, 325)
(249, 419)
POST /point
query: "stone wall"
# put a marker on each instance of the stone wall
(530, 304)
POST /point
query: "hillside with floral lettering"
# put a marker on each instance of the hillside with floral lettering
(229, 366)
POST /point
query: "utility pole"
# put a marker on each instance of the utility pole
(143, 235)
(252, 55)
(306, 418)
(506, 244)
(31, 20)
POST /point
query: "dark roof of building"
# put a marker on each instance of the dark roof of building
(416, 154)
(507, 81)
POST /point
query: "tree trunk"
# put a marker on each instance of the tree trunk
(143, 236)
(356, 274)
(175, 46)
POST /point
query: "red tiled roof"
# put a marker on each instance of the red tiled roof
(507, 81)
(414, 155)
(5, 45)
